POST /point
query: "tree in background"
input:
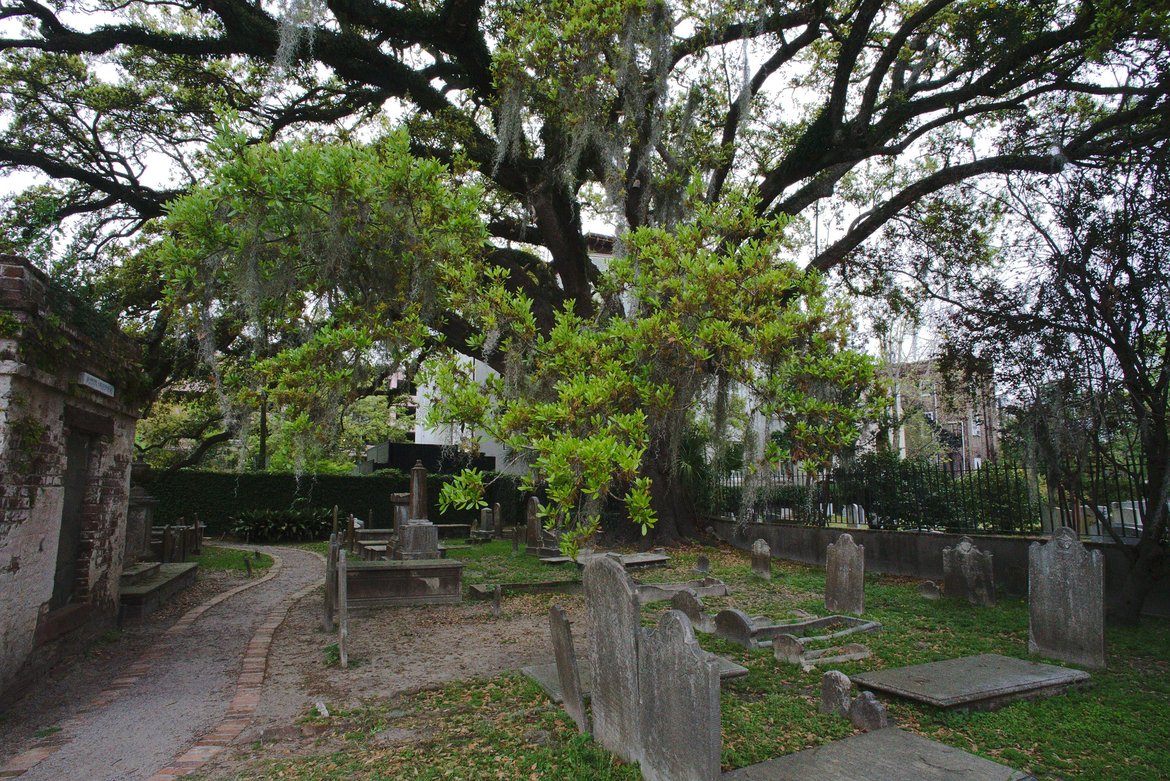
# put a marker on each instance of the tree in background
(1082, 331)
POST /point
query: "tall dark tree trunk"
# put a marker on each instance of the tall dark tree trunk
(672, 503)
(1148, 567)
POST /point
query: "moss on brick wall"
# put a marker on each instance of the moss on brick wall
(217, 496)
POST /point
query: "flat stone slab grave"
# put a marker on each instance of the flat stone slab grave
(633, 560)
(983, 682)
(546, 675)
(882, 755)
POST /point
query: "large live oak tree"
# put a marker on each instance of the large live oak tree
(560, 106)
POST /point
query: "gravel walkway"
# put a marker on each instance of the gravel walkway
(174, 690)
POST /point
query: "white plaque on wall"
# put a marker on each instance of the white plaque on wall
(96, 384)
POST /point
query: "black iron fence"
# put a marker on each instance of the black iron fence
(882, 492)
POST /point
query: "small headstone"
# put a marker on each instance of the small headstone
(734, 626)
(761, 560)
(400, 503)
(845, 576)
(702, 564)
(786, 648)
(968, 574)
(928, 590)
(331, 583)
(486, 523)
(679, 693)
(498, 520)
(867, 713)
(614, 623)
(687, 601)
(497, 600)
(567, 671)
(1066, 600)
(836, 692)
(248, 564)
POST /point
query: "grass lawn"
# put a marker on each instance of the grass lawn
(505, 728)
(215, 558)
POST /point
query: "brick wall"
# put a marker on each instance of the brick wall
(41, 401)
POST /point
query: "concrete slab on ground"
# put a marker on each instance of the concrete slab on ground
(885, 755)
(983, 682)
(546, 675)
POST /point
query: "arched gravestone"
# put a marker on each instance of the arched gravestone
(1066, 600)
(679, 686)
(735, 626)
(845, 576)
(613, 618)
(761, 560)
(968, 574)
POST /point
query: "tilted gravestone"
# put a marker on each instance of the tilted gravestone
(836, 691)
(614, 623)
(845, 576)
(679, 692)
(867, 713)
(567, 670)
(1066, 600)
(761, 560)
(735, 626)
(968, 574)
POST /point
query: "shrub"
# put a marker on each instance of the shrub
(290, 525)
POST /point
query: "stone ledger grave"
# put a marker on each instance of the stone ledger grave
(983, 682)
(845, 576)
(1066, 600)
(882, 755)
(761, 560)
(968, 574)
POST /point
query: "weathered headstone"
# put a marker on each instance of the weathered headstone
(761, 560)
(614, 623)
(867, 713)
(498, 520)
(497, 600)
(687, 601)
(350, 533)
(400, 504)
(679, 691)
(928, 590)
(533, 526)
(734, 626)
(418, 538)
(786, 648)
(845, 576)
(342, 610)
(1066, 600)
(567, 671)
(836, 692)
(702, 564)
(968, 574)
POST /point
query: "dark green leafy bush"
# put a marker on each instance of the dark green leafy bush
(295, 524)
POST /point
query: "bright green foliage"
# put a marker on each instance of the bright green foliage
(327, 258)
(599, 404)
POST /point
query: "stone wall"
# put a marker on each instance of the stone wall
(919, 554)
(44, 351)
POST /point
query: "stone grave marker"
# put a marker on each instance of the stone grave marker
(516, 540)
(687, 601)
(567, 671)
(498, 520)
(735, 625)
(928, 590)
(533, 522)
(418, 538)
(614, 624)
(836, 692)
(761, 560)
(342, 610)
(702, 564)
(845, 576)
(1066, 600)
(400, 503)
(679, 692)
(867, 713)
(968, 574)
(330, 583)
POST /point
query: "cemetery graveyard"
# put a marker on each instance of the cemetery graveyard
(436, 691)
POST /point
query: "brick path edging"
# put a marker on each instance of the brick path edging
(51, 744)
(247, 698)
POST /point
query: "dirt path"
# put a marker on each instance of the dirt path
(150, 697)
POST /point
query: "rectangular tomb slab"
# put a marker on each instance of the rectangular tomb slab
(983, 682)
(403, 583)
(882, 755)
(546, 675)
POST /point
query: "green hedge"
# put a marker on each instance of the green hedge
(217, 496)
